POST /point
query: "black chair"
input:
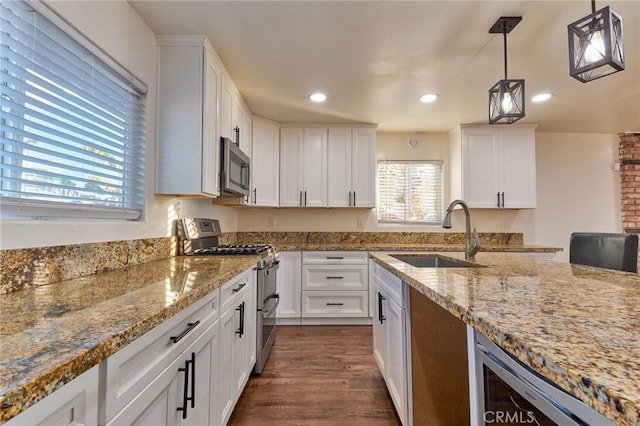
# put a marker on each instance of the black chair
(605, 250)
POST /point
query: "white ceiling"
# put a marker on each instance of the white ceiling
(374, 59)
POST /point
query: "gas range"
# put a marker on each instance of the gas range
(201, 238)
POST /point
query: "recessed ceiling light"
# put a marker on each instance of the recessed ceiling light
(541, 97)
(318, 97)
(428, 98)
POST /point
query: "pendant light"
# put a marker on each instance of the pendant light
(595, 45)
(506, 98)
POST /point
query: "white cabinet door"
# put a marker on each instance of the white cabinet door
(363, 169)
(210, 141)
(237, 350)
(303, 167)
(390, 336)
(188, 91)
(229, 325)
(291, 165)
(250, 326)
(396, 360)
(380, 327)
(315, 168)
(289, 285)
(246, 132)
(265, 167)
(76, 403)
(340, 191)
(203, 372)
(158, 403)
(351, 167)
(518, 180)
(498, 167)
(226, 109)
(480, 173)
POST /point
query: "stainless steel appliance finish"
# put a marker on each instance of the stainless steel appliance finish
(268, 301)
(235, 169)
(508, 389)
(201, 238)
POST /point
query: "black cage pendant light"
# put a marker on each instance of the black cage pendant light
(595, 45)
(506, 98)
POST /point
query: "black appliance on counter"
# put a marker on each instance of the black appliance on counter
(201, 238)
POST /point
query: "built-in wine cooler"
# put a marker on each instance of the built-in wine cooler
(511, 394)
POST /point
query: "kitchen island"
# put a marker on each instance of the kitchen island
(575, 325)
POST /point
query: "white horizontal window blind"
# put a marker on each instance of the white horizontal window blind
(72, 124)
(410, 191)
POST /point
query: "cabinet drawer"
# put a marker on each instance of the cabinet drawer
(334, 277)
(131, 369)
(334, 257)
(388, 281)
(233, 290)
(335, 304)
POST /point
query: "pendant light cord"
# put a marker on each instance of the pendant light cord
(593, 6)
(504, 33)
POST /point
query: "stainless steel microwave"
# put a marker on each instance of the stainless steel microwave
(235, 169)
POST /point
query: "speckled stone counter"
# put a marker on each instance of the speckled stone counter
(406, 241)
(382, 246)
(51, 334)
(578, 326)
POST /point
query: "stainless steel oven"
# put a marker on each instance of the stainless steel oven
(511, 393)
(235, 169)
(200, 238)
(268, 301)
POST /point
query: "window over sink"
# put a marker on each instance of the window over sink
(72, 122)
(410, 191)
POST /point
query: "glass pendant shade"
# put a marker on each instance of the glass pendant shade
(596, 45)
(506, 102)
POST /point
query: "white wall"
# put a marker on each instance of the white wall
(115, 27)
(577, 190)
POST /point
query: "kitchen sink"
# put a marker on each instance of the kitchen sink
(434, 261)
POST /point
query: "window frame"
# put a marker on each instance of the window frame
(131, 180)
(439, 207)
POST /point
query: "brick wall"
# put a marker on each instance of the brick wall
(630, 181)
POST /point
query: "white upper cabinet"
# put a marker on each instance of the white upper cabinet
(226, 109)
(265, 167)
(189, 76)
(351, 167)
(234, 116)
(303, 167)
(494, 167)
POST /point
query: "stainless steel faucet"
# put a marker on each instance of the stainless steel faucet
(471, 248)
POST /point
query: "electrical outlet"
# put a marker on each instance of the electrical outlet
(505, 224)
(271, 222)
(360, 223)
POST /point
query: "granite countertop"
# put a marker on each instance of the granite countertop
(576, 325)
(51, 334)
(385, 246)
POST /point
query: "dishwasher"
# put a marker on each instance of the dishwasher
(510, 392)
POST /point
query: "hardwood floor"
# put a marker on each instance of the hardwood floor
(318, 375)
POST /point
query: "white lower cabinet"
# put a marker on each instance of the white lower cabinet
(183, 393)
(389, 336)
(76, 403)
(191, 369)
(289, 285)
(237, 343)
(335, 284)
(340, 304)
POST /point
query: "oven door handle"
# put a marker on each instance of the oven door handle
(274, 300)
